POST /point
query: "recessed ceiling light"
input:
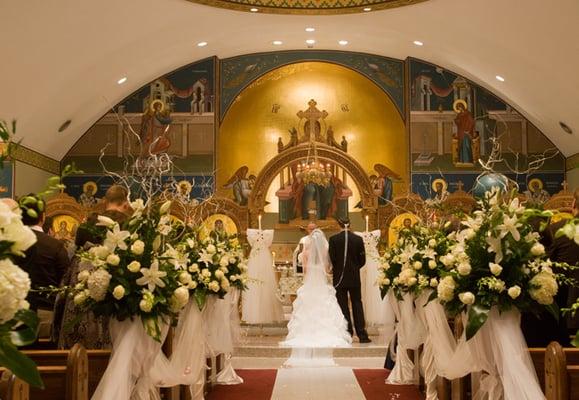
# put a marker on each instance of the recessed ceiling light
(310, 41)
(367, 8)
(254, 9)
(418, 43)
(202, 44)
(122, 80)
(566, 127)
(309, 29)
(277, 42)
(343, 42)
(500, 78)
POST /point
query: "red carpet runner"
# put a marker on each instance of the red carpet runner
(259, 384)
(372, 383)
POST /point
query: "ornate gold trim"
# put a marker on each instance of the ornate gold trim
(63, 204)
(222, 205)
(284, 7)
(34, 158)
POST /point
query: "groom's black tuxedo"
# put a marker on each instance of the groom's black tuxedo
(347, 278)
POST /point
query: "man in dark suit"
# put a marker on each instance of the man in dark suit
(46, 261)
(540, 330)
(348, 256)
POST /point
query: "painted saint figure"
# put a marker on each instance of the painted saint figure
(464, 132)
(155, 125)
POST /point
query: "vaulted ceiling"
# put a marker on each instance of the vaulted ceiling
(62, 58)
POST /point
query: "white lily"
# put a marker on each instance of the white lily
(495, 246)
(515, 207)
(510, 225)
(116, 238)
(105, 221)
(178, 259)
(206, 257)
(152, 276)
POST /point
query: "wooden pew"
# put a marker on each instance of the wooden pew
(561, 373)
(12, 387)
(61, 371)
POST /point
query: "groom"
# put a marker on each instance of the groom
(348, 256)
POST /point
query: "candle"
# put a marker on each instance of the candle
(259, 221)
(367, 221)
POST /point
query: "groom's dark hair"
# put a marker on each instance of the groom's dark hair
(343, 222)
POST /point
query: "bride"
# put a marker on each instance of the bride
(317, 321)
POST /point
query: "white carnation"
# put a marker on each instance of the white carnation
(466, 298)
(213, 286)
(138, 247)
(464, 268)
(433, 282)
(14, 287)
(80, 298)
(145, 306)
(83, 276)
(496, 269)
(446, 288)
(206, 273)
(514, 292)
(118, 292)
(543, 287)
(98, 284)
(194, 268)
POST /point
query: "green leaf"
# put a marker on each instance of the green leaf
(27, 332)
(553, 309)
(575, 341)
(432, 296)
(22, 366)
(477, 316)
(200, 298)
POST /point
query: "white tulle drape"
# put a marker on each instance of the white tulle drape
(128, 373)
(228, 376)
(373, 303)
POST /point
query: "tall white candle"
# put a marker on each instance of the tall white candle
(259, 221)
(367, 222)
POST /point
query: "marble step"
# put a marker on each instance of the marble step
(280, 329)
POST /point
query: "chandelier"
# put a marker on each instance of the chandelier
(311, 170)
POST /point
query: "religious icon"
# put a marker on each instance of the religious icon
(400, 222)
(217, 226)
(439, 186)
(87, 198)
(155, 125)
(184, 190)
(383, 183)
(64, 228)
(241, 184)
(465, 139)
(535, 193)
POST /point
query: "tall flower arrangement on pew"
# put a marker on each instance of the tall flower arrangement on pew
(216, 264)
(136, 272)
(497, 260)
(413, 263)
(571, 230)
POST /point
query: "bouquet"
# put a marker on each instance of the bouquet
(18, 324)
(414, 261)
(136, 272)
(497, 260)
(216, 264)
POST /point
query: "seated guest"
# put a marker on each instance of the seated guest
(46, 262)
(88, 330)
(541, 329)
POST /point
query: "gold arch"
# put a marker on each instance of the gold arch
(326, 153)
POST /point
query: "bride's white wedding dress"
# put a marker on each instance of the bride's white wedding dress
(317, 321)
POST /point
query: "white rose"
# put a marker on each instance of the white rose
(225, 284)
(499, 285)
(134, 266)
(412, 281)
(113, 259)
(514, 291)
(219, 274)
(224, 269)
(194, 268)
(98, 284)
(233, 278)
(431, 243)
(192, 284)
(232, 260)
(182, 295)
(101, 252)
(206, 273)
(466, 298)
(211, 249)
(538, 249)
(464, 268)
(185, 278)
(138, 247)
(118, 292)
(83, 276)
(431, 264)
(496, 269)
(433, 282)
(145, 306)
(385, 282)
(417, 265)
(213, 286)
(224, 262)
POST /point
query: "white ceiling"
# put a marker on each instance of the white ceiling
(62, 58)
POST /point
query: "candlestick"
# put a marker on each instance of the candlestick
(367, 221)
(259, 221)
